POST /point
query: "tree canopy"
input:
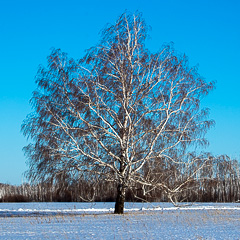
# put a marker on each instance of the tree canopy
(120, 114)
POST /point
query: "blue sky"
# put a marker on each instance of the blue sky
(207, 31)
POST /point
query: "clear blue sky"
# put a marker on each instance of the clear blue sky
(207, 31)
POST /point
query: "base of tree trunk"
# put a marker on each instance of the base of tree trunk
(119, 205)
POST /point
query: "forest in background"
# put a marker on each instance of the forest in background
(218, 181)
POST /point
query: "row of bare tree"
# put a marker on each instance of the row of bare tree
(217, 181)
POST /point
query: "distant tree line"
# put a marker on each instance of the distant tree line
(217, 181)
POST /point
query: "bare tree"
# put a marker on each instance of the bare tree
(118, 114)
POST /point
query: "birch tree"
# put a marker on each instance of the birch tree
(118, 114)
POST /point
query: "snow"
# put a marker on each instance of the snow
(140, 221)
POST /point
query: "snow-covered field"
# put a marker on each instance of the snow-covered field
(140, 221)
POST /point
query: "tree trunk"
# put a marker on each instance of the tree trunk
(119, 205)
(121, 188)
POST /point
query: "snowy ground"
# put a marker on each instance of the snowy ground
(140, 221)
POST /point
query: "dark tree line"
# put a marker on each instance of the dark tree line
(218, 181)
